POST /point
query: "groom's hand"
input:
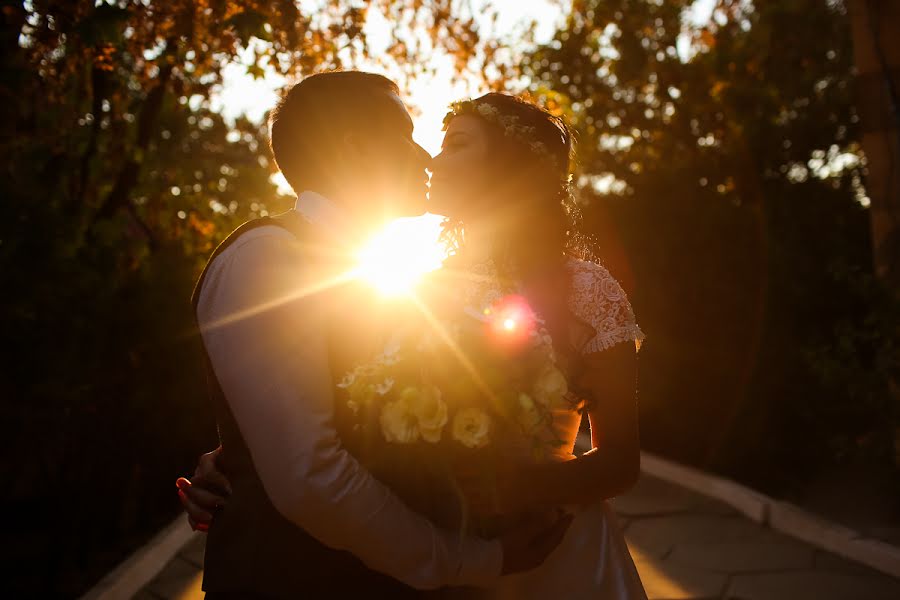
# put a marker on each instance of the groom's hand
(528, 545)
(205, 493)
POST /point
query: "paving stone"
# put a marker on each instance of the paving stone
(651, 496)
(766, 553)
(815, 585)
(712, 506)
(194, 550)
(886, 533)
(685, 546)
(179, 580)
(877, 554)
(826, 561)
(664, 580)
(657, 536)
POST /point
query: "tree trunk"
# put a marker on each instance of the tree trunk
(875, 26)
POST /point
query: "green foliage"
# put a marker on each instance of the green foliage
(715, 184)
(117, 182)
(711, 187)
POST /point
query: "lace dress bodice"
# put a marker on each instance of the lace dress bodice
(595, 297)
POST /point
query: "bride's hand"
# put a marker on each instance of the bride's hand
(203, 495)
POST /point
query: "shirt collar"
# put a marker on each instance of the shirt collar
(321, 212)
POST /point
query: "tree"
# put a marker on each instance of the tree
(720, 180)
(877, 57)
(118, 179)
(724, 179)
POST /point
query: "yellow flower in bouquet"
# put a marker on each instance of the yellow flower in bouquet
(472, 427)
(431, 412)
(417, 412)
(529, 415)
(488, 370)
(398, 422)
(550, 386)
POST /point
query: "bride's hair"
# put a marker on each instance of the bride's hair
(530, 156)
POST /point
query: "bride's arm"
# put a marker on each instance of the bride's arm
(612, 466)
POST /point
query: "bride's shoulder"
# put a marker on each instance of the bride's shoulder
(598, 299)
(592, 281)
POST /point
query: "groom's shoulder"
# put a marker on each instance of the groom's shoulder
(254, 247)
(274, 233)
(253, 234)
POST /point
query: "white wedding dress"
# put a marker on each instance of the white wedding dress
(592, 561)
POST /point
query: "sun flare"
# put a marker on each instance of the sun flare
(396, 258)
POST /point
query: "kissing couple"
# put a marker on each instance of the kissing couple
(407, 447)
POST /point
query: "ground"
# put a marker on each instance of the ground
(686, 546)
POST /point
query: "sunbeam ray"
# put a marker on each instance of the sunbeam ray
(457, 352)
(315, 288)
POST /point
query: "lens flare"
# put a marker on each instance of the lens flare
(511, 321)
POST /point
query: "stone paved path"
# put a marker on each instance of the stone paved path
(686, 546)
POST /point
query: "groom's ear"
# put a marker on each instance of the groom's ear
(352, 147)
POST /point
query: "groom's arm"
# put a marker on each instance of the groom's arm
(265, 335)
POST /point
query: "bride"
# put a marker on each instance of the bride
(502, 179)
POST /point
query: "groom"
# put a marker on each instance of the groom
(279, 323)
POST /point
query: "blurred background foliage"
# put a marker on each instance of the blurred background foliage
(726, 189)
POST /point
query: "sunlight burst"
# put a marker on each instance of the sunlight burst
(397, 257)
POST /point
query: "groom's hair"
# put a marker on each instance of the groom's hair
(312, 116)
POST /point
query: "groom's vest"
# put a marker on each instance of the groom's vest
(251, 549)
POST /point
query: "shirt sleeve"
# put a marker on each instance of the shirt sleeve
(262, 322)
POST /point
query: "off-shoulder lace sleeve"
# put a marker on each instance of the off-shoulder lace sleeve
(598, 299)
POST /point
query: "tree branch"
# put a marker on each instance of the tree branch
(128, 175)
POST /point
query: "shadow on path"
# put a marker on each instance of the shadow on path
(686, 546)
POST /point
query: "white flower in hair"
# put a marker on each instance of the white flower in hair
(384, 387)
(524, 134)
(486, 110)
(347, 380)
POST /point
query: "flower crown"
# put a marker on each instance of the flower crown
(524, 134)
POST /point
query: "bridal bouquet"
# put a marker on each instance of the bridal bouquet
(471, 377)
(456, 397)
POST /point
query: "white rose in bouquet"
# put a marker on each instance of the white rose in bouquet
(398, 422)
(529, 415)
(472, 427)
(550, 386)
(430, 411)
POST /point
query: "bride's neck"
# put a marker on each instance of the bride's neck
(480, 240)
(490, 237)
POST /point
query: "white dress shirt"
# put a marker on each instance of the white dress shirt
(266, 339)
